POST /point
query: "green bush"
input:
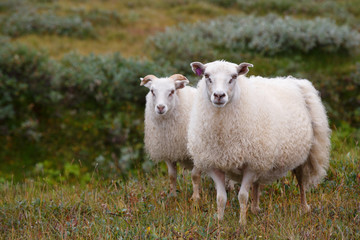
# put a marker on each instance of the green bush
(324, 8)
(9, 5)
(104, 81)
(25, 21)
(351, 97)
(98, 16)
(267, 35)
(31, 85)
(26, 89)
(125, 134)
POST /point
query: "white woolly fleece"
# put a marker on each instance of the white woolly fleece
(270, 126)
(166, 135)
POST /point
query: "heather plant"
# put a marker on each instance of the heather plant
(353, 95)
(98, 16)
(326, 8)
(32, 85)
(106, 81)
(26, 87)
(9, 5)
(269, 35)
(24, 21)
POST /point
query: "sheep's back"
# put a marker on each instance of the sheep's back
(266, 128)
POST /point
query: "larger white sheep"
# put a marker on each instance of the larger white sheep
(167, 112)
(255, 130)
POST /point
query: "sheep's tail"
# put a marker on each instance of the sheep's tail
(314, 169)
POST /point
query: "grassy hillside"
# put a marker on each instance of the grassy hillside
(136, 21)
(141, 209)
(72, 160)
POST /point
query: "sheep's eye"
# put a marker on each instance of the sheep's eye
(152, 91)
(171, 93)
(232, 79)
(207, 77)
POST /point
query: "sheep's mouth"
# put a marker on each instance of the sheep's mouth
(219, 103)
(161, 112)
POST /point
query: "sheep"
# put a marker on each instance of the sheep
(254, 130)
(167, 111)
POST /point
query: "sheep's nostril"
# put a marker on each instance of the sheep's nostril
(219, 95)
(160, 107)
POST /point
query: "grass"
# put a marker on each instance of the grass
(141, 209)
(139, 20)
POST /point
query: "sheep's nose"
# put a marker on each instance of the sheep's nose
(160, 107)
(219, 95)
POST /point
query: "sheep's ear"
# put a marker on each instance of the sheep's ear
(180, 81)
(147, 80)
(198, 68)
(243, 68)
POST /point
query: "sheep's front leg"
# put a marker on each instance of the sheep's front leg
(196, 179)
(255, 198)
(243, 196)
(172, 176)
(221, 198)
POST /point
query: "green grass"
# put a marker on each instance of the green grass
(140, 19)
(140, 208)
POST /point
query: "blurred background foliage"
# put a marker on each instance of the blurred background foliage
(70, 100)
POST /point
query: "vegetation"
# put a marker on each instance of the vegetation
(141, 209)
(72, 163)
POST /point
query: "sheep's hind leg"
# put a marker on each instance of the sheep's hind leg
(299, 176)
(221, 198)
(255, 198)
(243, 196)
(196, 179)
(172, 176)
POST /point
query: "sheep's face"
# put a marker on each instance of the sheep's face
(163, 91)
(220, 78)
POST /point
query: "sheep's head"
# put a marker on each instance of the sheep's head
(163, 91)
(220, 78)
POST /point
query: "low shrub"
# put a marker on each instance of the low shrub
(26, 88)
(124, 137)
(98, 16)
(104, 81)
(32, 85)
(25, 21)
(324, 8)
(267, 35)
(9, 5)
(351, 97)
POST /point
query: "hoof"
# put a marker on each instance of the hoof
(306, 208)
(172, 194)
(195, 198)
(242, 221)
(255, 210)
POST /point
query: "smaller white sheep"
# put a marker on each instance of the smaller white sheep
(167, 112)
